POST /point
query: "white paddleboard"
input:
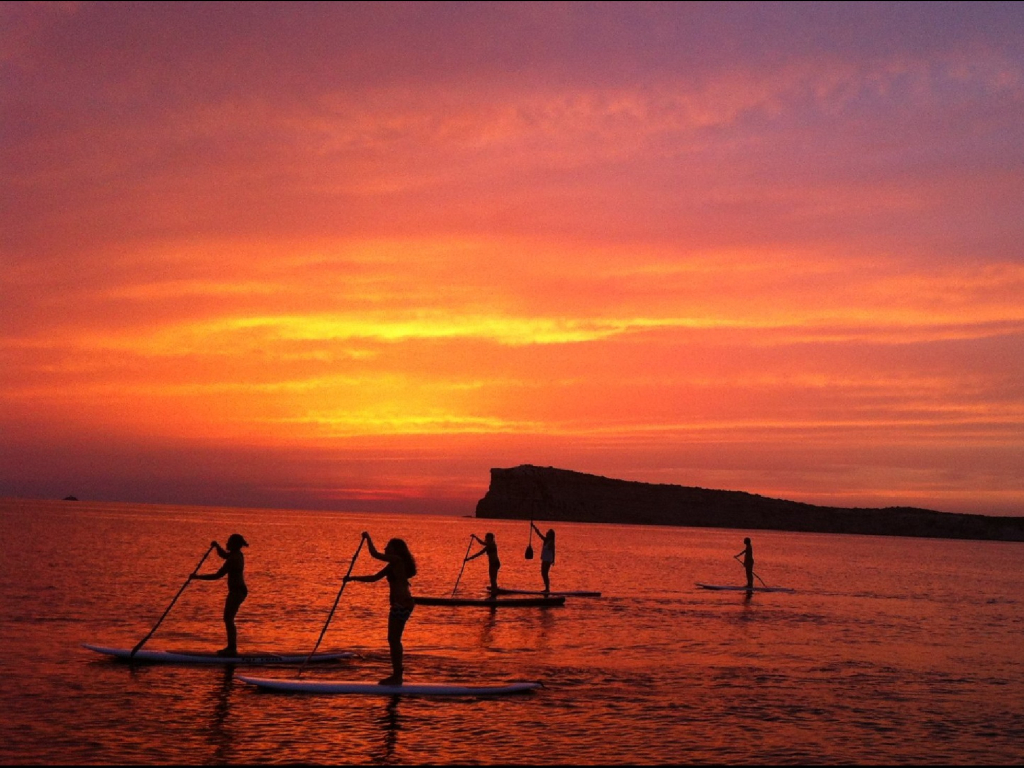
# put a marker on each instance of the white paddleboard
(202, 657)
(745, 589)
(295, 685)
(493, 602)
(503, 591)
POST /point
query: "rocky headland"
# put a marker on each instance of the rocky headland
(545, 493)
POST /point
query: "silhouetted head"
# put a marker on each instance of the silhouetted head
(235, 541)
(550, 534)
(489, 537)
(400, 549)
(746, 541)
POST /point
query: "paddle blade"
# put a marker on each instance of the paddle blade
(529, 552)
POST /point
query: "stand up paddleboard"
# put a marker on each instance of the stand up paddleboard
(492, 602)
(560, 593)
(423, 689)
(202, 657)
(745, 589)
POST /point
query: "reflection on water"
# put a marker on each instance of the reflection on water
(487, 625)
(389, 725)
(890, 650)
(220, 734)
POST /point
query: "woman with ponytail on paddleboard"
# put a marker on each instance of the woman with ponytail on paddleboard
(490, 548)
(399, 569)
(234, 569)
(547, 554)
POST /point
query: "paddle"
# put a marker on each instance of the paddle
(529, 547)
(336, 599)
(737, 558)
(464, 561)
(142, 642)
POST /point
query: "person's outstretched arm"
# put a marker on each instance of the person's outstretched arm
(211, 576)
(372, 577)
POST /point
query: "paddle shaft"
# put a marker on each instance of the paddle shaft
(333, 607)
(529, 546)
(464, 561)
(751, 570)
(143, 640)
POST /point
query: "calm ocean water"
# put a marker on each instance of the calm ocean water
(890, 650)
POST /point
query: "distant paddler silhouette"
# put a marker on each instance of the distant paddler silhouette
(490, 548)
(748, 563)
(547, 554)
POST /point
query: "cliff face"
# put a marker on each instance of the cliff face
(546, 493)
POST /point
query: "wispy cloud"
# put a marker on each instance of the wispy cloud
(770, 247)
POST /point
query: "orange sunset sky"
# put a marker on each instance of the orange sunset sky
(351, 256)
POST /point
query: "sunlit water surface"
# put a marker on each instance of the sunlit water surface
(890, 651)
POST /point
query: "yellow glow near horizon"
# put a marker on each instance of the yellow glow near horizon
(787, 262)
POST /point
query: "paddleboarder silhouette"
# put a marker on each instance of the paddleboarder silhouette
(547, 554)
(399, 569)
(748, 562)
(490, 548)
(234, 569)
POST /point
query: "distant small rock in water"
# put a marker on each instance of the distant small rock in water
(70, 498)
